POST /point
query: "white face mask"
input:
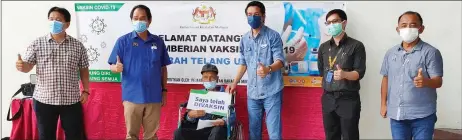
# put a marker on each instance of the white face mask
(409, 34)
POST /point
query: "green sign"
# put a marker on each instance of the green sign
(104, 76)
(98, 7)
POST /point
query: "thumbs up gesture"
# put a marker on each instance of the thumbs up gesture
(262, 71)
(19, 63)
(119, 67)
(419, 80)
(339, 73)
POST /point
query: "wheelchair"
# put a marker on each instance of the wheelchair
(234, 132)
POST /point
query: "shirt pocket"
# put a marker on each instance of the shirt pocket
(44, 54)
(248, 54)
(154, 56)
(345, 59)
(414, 65)
(263, 54)
(394, 65)
(72, 58)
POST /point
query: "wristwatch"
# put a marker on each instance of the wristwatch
(164, 90)
(86, 92)
(270, 69)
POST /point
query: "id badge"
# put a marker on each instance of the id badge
(329, 76)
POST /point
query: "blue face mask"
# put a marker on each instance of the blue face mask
(334, 29)
(254, 21)
(210, 85)
(56, 27)
(140, 26)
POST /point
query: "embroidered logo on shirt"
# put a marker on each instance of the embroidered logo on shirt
(135, 44)
(154, 46)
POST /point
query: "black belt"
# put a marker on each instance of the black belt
(339, 94)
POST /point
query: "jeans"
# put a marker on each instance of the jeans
(417, 129)
(272, 107)
(71, 120)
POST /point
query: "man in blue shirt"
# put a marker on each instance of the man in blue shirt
(188, 128)
(142, 58)
(412, 71)
(262, 58)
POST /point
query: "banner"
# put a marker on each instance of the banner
(197, 33)
(211, 102)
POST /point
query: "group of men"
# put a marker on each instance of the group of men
(412, 71)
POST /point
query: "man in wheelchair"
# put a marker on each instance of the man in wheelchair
(188, 126)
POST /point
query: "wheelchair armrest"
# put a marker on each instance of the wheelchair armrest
(231, 106)
(184, 104)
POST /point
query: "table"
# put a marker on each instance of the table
(103, 113)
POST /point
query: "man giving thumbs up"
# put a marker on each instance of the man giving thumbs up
(142, 58)
(412, 70)
(118, 67)
(419, 79)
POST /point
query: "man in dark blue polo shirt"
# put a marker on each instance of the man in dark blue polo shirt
(142, 58)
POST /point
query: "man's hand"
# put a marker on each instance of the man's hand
(164, 98)
(219, 122)
(419, 80)
(262, 71)
(196, 113)
(231, 88)
(339, 74)
(20, 64)
(383, 111)
(83, 97)
(118, 67)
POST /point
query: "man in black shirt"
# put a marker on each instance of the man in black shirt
(342, 63)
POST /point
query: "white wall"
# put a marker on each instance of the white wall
(373, 23)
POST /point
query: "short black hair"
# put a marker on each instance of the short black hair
(145, 8)
(411, 13)
(258, 4)
(339, 12)
(62, 11)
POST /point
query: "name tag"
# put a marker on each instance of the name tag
(329, 76)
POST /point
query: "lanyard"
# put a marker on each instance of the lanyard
(331, 62)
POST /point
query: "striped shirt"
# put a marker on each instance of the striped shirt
(57, 69)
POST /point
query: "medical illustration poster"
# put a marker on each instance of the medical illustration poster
(196, 33)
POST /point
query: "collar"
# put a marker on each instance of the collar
(342, 41)
(417, 46)
(134, 35)
(262, 31)
(50, 38)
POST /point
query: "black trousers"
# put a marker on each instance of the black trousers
(210, 133)
(341, 113)
(71, 120)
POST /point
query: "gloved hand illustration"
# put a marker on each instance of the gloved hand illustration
(296, 48)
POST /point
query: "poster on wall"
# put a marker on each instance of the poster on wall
(197, 33)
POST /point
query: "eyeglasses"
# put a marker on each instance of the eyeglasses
(333, 21)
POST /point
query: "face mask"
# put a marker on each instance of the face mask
(139, 26)
(409, 34)
(56, 27)
(334, 29)
(210, 85)
(254, 21)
